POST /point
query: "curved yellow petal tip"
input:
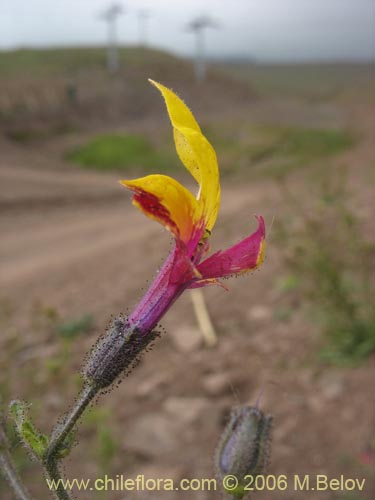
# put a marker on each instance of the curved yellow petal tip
(195, 152)
(155, 84)
(163, 89)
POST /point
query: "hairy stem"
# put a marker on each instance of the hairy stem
(52, 455)
(69, 421)
(8, 468)
(55, 480)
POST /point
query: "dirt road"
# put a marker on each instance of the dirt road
(71, 241)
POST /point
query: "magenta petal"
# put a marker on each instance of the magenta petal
(173, 278)
(244, 256)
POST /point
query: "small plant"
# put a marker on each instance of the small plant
(105, 446)
(119, 152)
(332, 265)
(75, 327)
(275, 151)
(282, 150)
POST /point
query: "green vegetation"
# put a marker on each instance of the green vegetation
(275, 151)
(24, 135)
(18, 453)
(310, 144)
(70, 61)
(332, 267)
(36, 441)
(73, 328)
(122, 152)
(106, 447)
(288, 148)
(47, 321)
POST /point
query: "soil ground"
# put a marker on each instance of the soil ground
(73, 245)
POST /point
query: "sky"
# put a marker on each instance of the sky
(264, 30)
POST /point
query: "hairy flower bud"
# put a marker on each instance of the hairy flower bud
(116, 352)
(243, 450)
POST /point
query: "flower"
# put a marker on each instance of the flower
(190, 219)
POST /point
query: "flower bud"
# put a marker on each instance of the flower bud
(243, 450)
(116, 352)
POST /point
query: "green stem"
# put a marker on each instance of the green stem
(69, 421)
(51, 457)
(56, 480)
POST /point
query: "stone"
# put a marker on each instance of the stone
(163, 433)
(152, 435)
(217, 384)
(259, 313)
(149, 386)
(332, 387)
(54, 401)
(187, 410)
(186, 338)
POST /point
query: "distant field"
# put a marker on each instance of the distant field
(25, 63)
(271, 151)
(50, 93)
(69, 61)
(314, 80)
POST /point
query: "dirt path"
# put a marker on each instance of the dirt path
(71, 240)
(78, 233)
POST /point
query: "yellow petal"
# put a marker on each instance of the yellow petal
(195, 152)
(165, 200)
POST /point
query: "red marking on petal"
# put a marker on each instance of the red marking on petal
(153, 206)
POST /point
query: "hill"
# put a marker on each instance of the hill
(71, 85)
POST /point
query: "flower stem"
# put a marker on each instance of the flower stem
(56, 481)
(69, 421)
(52, 454)
(8, 468)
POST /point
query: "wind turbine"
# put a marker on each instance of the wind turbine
(198, 27)
(143, 17)
(110, 16)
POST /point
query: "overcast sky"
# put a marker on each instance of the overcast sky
(263, 29)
